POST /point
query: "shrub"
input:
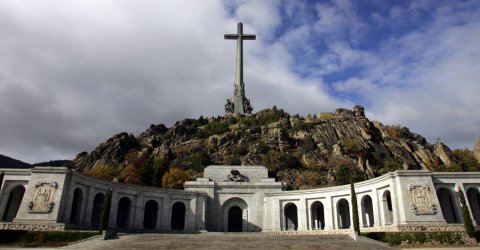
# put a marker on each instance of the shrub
(391, 165)
(356, 223)
(107, 203)
(467, 220)
(175, 178)
(35, 238)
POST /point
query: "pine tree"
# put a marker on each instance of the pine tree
(356, 224)
(106, 211)
(467, 220)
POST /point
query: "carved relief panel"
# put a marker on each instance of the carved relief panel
(43, 196)
(421, 200)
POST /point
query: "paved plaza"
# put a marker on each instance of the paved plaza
(227, 241)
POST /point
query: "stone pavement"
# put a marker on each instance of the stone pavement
(227, 241)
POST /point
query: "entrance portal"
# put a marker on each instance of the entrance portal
(235, 221)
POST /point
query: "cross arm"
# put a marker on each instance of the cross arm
(231, 36)
(248, 37)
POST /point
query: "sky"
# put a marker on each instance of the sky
(74, 73)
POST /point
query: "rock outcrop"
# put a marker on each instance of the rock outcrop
(305, 146)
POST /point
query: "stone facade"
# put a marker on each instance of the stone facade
(237, 198)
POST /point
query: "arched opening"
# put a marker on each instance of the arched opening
(235, 220)
(150, 215)
(76, 207)
(318, 216)
(387, 208)
(367, 211)
(343, 211)
(97, 210)
(178, 216)
(123, 213)
(235, 215)
(448, 205)
(474, 202)
(13, 204)
(291, 217)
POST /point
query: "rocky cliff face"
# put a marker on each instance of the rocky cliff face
(303, 151)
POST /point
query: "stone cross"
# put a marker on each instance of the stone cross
(239, 104)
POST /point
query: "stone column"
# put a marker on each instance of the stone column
(112, 221)
(376, 208)
(166, 212)
(139, 211)
(160, 215)
(302, 215)
(329, 213)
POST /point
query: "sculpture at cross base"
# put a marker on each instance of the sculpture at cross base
(239, 104)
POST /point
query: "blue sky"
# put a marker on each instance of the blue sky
(73, 73)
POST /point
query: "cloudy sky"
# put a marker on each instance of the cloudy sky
(74, 73)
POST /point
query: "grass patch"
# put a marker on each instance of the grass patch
(40, 238)
(415, 238)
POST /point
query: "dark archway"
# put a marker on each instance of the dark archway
(13, 204)
(235, 220)
(76, 210)
(291, 217)
(343, 211)
(387, 208)
(123, 213)
(97, 210)
(318, 215)
(150, 215)
(178, 216)
(448, 205)
(474, 202)
(367, 211)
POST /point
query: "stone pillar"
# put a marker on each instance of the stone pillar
(166, 212)
(376, 208)
(112, 221)
(87, 207)
(160, 213)
(138, 211)
(329, 213)
(302, 215)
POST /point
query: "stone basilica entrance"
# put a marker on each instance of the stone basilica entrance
(235, 216)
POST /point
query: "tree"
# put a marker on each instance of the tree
(147, 173)
(107, 203)
(392, 165)
(160, 167)
(356, 224)
(467, 220)
(175, 178)
(465, 159)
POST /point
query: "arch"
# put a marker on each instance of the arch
(235, 220)
(448, 205)
(123, 213)
(13, 204)
(178, 216)
(291, 217)
(387, 208)
(318, 215)
(367, 211)
(97, 210)
(150, 215)
(76, 210)
(343, 211)
(474, 202)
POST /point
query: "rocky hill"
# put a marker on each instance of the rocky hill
(304, 152)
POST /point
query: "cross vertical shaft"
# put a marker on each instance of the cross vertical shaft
(239, 104)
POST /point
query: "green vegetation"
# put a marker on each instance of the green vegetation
(276, 161)
(467, 220)
(344, 169)
(465, 161)
(160, 166)
(392, 165)
(397, 132)
(107, 203)
(41, 239)
(197, 161)
(356, 223)
(213, 128)
(397, 238)
(147, 173)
